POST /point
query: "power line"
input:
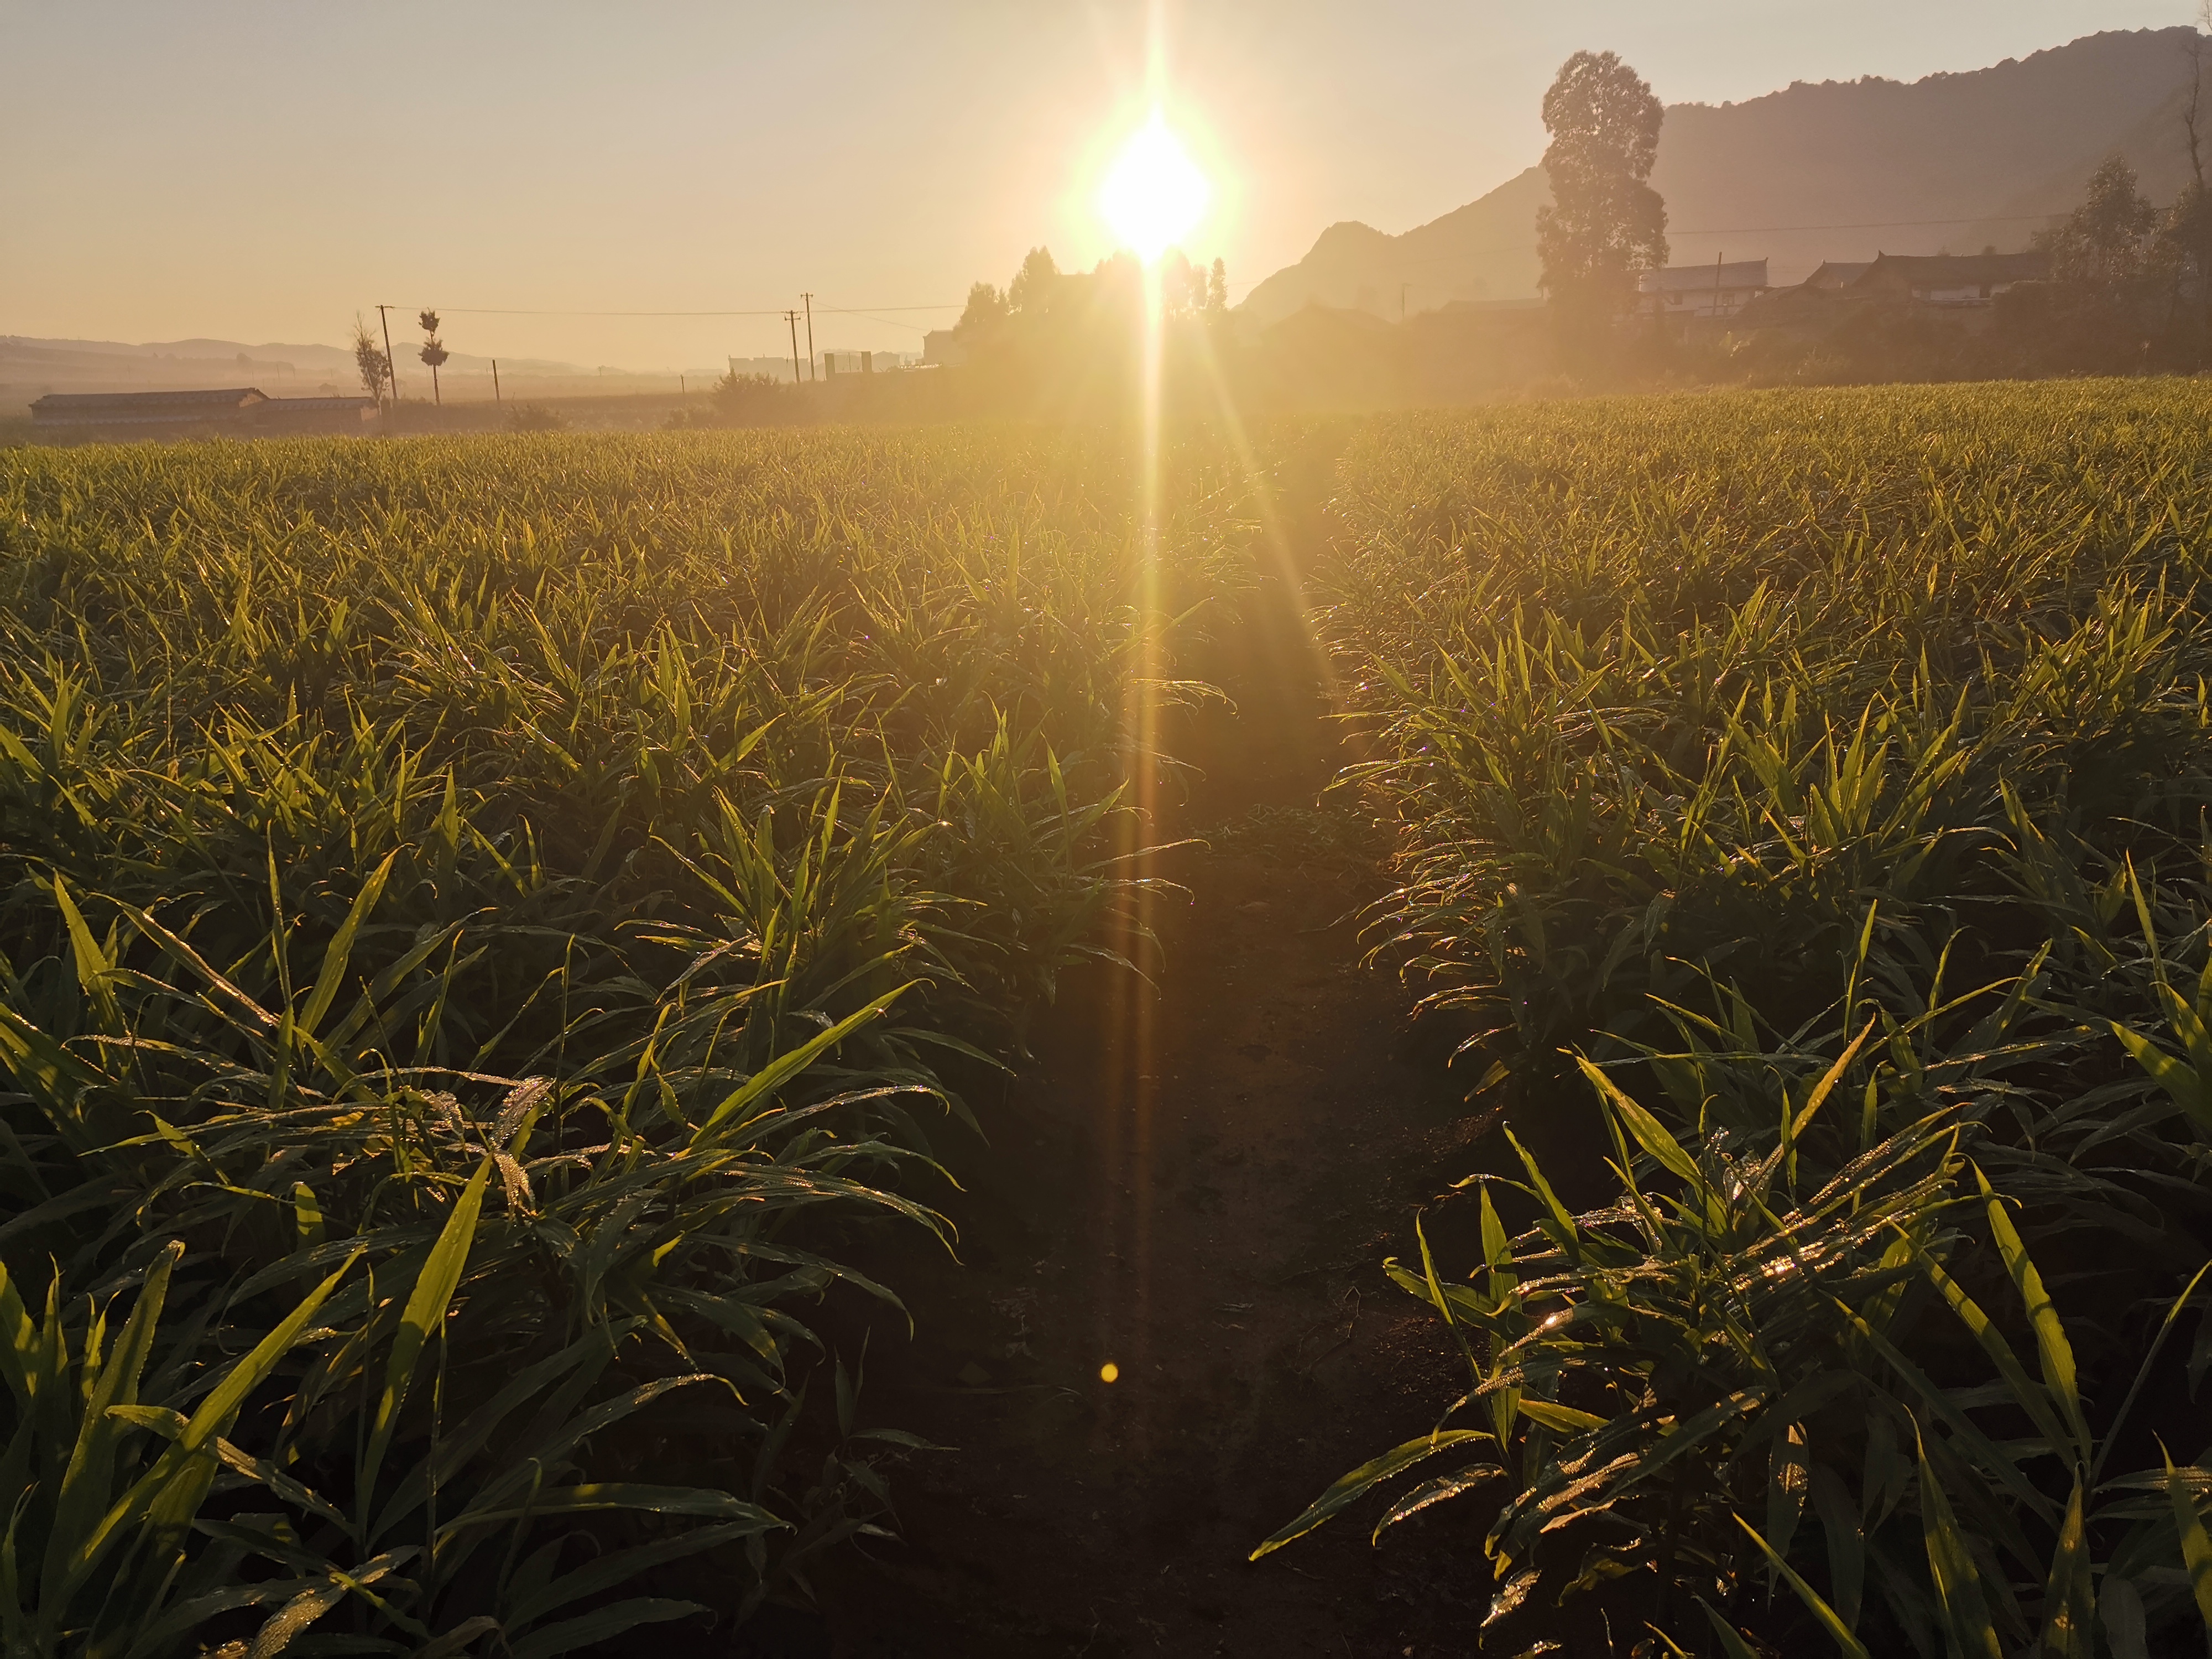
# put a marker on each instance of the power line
(827, 311)
(889, 322)
(1874, 224)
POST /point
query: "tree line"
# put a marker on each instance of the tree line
(1040, 290)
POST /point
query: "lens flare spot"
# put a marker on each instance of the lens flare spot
(1154, 195)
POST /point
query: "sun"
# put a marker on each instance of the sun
(1154, 195)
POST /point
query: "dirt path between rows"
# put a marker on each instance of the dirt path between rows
(1196, 1184)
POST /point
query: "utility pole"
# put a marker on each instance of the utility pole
(809, 298)
(1402, 286)
(494, 380)
(391, 362)
(791, 317)
(1718, 257)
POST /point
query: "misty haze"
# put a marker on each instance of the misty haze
(1139, 828)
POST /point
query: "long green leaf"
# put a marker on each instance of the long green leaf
(1837, 1630)
(1650, 1132)
(787, 1065)
(588, 1496)
(1350, 1488)
(2178, 1077)
(1556, 1222)
(294, 1617)
(19, 1343)
(1444, 1487)
(1951, 1567)
(1832, 1076)
(175, 1473)
(87, 1486)
(590, 1630)
(2033, 1397)
(2069, 1596)
(1732, 1642)
(616, 1567)
(2195, 1546)
(1560, 1419)
(339, 951)
(2055, 1351)
(425, 1311)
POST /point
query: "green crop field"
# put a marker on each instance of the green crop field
(467, 905)
(1824, 778)
(489, 922)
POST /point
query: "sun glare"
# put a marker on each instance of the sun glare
(1154, 195)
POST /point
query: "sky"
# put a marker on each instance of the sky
(263, 170)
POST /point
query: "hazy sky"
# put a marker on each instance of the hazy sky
(260, 170)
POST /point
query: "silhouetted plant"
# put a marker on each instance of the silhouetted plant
(434, 351)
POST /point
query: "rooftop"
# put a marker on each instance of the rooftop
(1960, 268)
(1836, 273)
(1691, 279)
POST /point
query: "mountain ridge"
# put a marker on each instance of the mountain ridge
(1954, 162)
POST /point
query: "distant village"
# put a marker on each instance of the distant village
(1319, 355)
(1738, 291)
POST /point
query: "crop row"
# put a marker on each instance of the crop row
(480, 917)
(1803, 796)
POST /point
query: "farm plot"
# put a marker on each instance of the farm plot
(1801, 802)
(479, 917)
(494, 931)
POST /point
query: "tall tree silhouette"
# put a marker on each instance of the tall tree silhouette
(1603, 223)
(368, 357)
(987, 309)
(434, 351)
(2181, 252)
(1032, 291)
(2104, 243)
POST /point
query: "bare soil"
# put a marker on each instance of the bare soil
(1196, 1184)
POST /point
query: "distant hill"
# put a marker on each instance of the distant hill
(1840, 170)
(102, 365)
(31, 368)
(199, 357)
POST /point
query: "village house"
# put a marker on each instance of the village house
(1715, 290)
(1835, 275)
(1949, 279)
(1964, 286)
